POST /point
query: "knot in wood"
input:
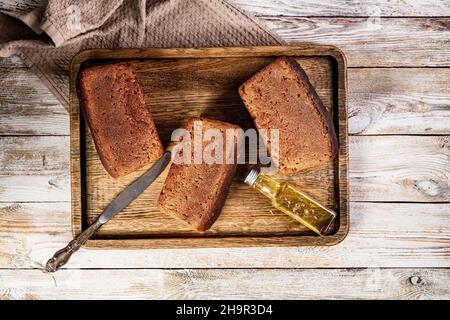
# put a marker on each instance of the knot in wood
(416, 280)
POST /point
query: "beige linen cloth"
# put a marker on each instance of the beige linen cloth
(47, 34)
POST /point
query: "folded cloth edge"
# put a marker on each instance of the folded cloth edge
(45, 79)
(32, 18)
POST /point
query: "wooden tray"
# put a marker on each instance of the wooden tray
(179, 83)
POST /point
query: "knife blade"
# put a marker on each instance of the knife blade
(135, 189)
(124, 198)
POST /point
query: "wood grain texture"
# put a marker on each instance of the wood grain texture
(27, 107)
(206, 81)
(226, 284)
(399, 101)
(377, 171)
(11, 62)
(382, 235)
(17, 7)
(372, 42)
(381, 101)
(406, 168)
(311, 8)
(307, 7)
(34, 168)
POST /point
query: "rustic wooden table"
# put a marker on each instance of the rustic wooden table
(399, 242)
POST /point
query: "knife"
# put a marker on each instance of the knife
(123, 199)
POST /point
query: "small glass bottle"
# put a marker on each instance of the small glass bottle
(290, 200)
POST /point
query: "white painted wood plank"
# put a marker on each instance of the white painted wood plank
(11, 62)
(399, 101)
(34, 168)
(382, 168)
(381, 235)
(34, 155)
(310, 8)
(400, 168)
(36, 119)
(381, 101)
(16, 7)
(226, 284)
(22, 87)
(27, 107)
(372, 42)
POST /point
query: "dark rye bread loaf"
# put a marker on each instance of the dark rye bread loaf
(196, 193)
(122, 127)
(280, 96)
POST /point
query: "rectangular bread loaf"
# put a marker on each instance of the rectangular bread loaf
(196, 192)
(122, 127)
(281, 97)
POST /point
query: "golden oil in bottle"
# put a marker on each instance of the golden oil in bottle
(290, 200)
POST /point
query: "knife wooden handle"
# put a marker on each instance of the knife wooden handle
(61, 257)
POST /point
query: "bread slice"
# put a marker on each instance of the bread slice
(280, 96)
(196, 193)
(122, 127)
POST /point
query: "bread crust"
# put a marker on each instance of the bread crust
(122, 128)
(196, 193)
(280, 96)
